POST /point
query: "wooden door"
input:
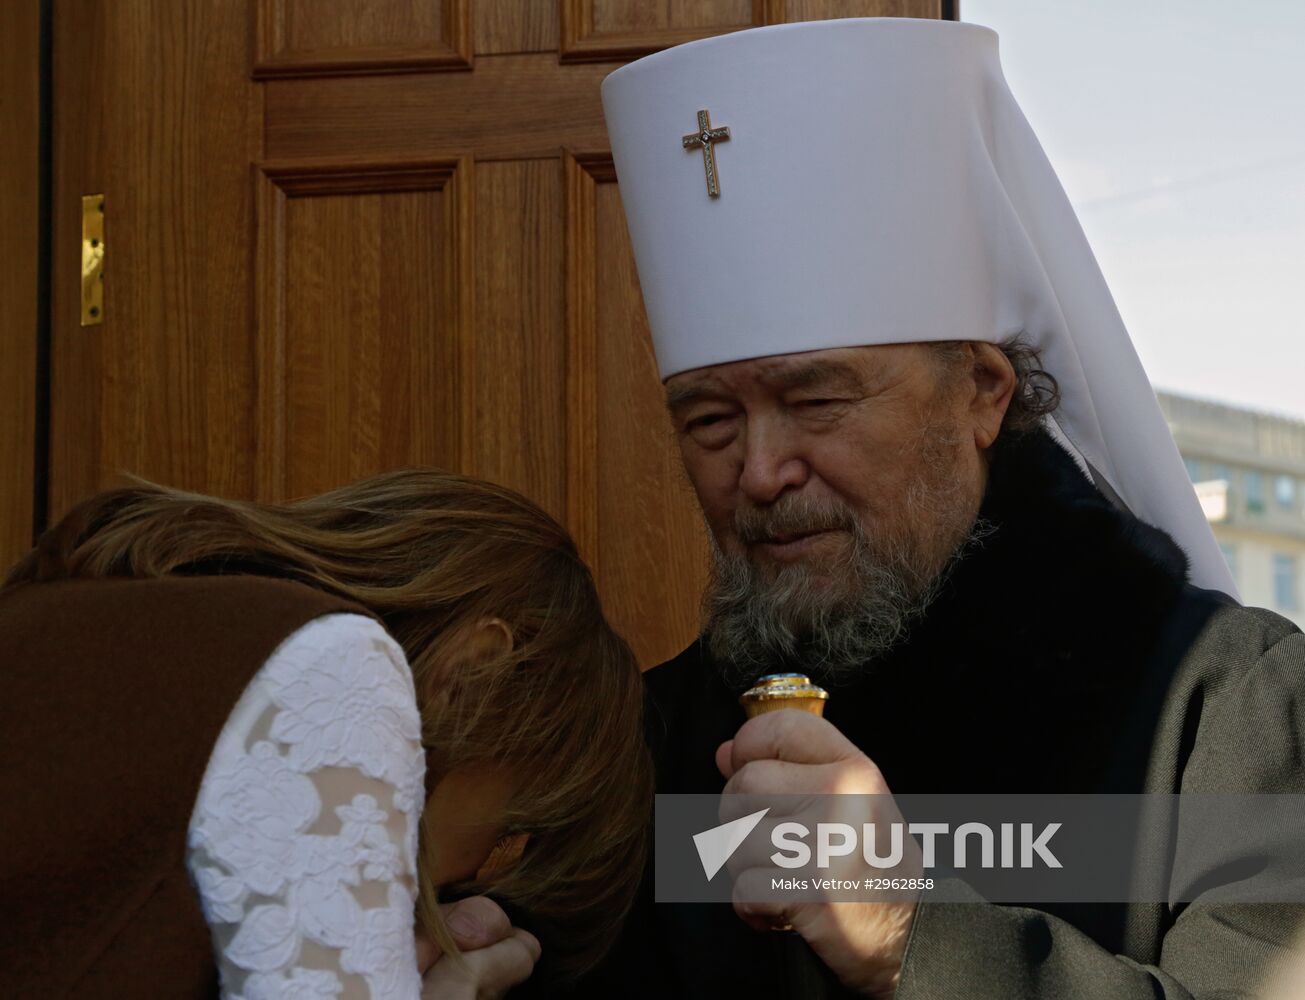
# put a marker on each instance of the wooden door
(344, 237)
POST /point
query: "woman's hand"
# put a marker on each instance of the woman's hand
(496, 956)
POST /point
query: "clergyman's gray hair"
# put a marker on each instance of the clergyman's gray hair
(1036, 394)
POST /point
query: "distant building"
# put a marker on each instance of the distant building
(1249, 471)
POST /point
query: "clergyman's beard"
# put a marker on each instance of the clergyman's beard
(831, 619)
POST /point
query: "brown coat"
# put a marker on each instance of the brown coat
(115, 692)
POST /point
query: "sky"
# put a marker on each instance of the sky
(1178, 130)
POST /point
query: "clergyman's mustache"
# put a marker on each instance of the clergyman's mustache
(793, 514)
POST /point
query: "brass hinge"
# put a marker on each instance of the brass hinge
(92, 259)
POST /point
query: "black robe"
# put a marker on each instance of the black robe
(1062, 656)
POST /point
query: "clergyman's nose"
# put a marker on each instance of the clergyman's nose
(768, 472)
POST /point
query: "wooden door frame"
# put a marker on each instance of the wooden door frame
(25, 122)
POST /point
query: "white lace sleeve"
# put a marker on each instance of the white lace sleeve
(303, 842)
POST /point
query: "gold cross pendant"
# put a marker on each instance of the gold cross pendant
(704, 137)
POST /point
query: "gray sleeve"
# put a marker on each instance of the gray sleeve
(1251, 739)
(981, 951)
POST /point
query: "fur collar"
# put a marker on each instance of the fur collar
(1038, 497)
(1035, 646)
(1064, 564)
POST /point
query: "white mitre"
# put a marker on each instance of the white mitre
(880, 185)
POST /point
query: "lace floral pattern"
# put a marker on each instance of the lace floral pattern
(303, 841)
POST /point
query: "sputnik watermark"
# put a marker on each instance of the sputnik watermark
(1004, 848)
(717, 845)
(840, 840)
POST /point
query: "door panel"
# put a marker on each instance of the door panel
(649, 542)
(627, 29)
(306, 37)
(505, 26)
(520, 354)
(365, 334)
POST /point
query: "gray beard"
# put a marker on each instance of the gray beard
(756, 627)
(831, 621)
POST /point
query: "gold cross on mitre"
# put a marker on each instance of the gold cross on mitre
(704, 137)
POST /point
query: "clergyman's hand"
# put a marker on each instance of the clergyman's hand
(796, 753)
(495, 955)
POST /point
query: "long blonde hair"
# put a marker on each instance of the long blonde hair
(433, 555)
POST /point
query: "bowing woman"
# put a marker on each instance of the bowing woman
(377, 743)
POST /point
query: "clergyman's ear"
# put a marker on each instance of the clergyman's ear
(994, 386)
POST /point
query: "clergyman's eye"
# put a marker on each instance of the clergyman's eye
(704, 421)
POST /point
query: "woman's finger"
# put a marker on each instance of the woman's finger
(484, 974)
(501, 966)
(476, 922)
(427, 952)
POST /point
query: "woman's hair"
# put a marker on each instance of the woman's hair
(434, 555)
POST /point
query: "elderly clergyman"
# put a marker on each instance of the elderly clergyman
(936, 481)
